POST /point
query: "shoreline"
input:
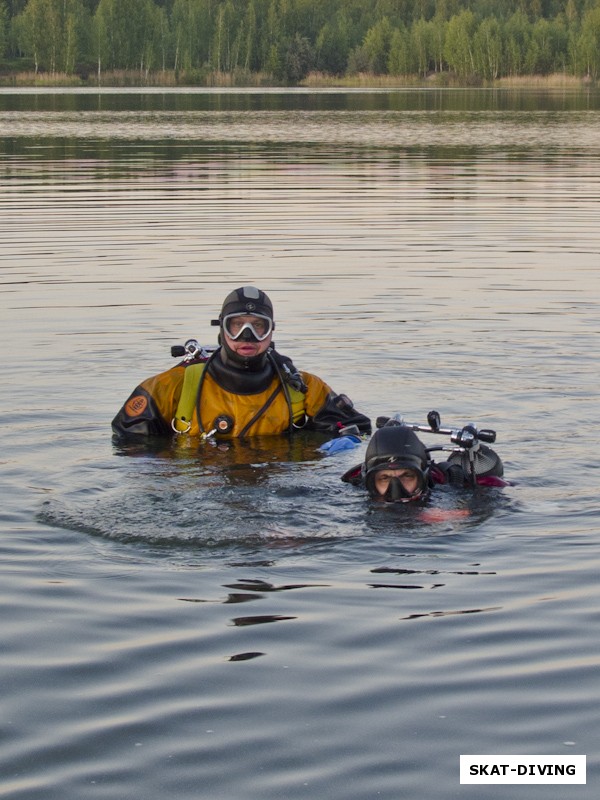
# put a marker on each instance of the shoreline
(172, 80)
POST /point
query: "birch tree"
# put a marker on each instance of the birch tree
(458, 47)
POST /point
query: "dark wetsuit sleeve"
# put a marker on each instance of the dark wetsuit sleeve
(338, 412)
(140, 416)
(327, 411)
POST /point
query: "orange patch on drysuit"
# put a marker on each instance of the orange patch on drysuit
(136, 405)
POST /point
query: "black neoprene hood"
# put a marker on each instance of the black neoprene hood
(249, 300)
(245, 300)
(395, 446)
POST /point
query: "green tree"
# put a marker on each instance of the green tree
(163, 32)
(421, 45)
(376, 46)
(444, 9)
(47, 30)
(333, 45)
(3, 29)
(571, 11)
(26, 36)
(190, 22)
(126, 34)
(518, 34)
(299, 59)
(575, 55)
(437, 27)
(222, 55)
(248, 44)
(149, 35)
(272, 37)
(15, 7)
(70, 48)
(538, 56)
(108, 35)
(488, 48)
(590, 42)
(422, 9)
(400, 11)
(401, 59)
(549, 42)
(272, 62)
(284, 36)
(458, 47)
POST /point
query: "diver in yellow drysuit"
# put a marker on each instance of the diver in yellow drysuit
(245, 387)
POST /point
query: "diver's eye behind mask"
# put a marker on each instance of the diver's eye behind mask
(412, 485)
(248, 326)
(397, 492)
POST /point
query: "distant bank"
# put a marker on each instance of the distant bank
(316, 80)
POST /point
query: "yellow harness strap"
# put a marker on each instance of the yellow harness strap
(182, 421)
(297, 400)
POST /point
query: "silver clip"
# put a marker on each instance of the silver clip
(174, 421)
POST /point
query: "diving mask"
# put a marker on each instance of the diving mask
(247, 326)
(396, 485)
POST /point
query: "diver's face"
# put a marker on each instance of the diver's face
(407, 477)
(248, 349)
(246, 328)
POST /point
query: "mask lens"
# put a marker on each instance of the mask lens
(397, 492)
(235, 324)
(397, 486)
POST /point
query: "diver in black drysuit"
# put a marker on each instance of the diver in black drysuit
(398, 468)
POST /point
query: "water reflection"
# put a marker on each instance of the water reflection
(59, 125)
(264, 586)
(454, 613)
(248, 100)
(260, 619)
(246, 656)
(364, 129)
(457, 276)
(240, 462)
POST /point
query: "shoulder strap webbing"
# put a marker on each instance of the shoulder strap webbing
(182, 421)
(297, 400)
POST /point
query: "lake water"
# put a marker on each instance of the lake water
(195, 622)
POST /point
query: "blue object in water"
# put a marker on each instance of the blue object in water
(339, 444)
